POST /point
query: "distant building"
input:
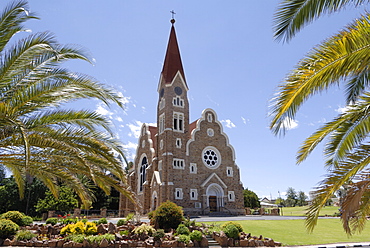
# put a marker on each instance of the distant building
(191, 164)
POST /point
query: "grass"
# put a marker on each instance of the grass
(301, 211)
(293, 232)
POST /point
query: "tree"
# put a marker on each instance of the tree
(291, 197)
(340, 59)
(38, 137)
(66, 201)
(250, 199)
(302, 199)
(9, 196)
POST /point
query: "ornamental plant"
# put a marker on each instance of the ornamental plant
(24, 235)
(87, 228)
(14, 216)
(231, 231)
(7, 228)
(196, 235)
(236, 224)
(184, 238)
(53, 221)
(144, 229)
(167, 215)
(182, 229)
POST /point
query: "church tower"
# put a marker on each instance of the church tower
(172, 118)
(190, 164)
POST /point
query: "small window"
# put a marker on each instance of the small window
(193, 194)
(209, 117)
(178, 163)
(161, 123)
(177, 101)
(160, 165)
(162, 103)
(143, 144)
(197, 205)
(231, 196)
(229, 171)
(178, 193)
(193, 168)
(178, 122)
(161, 144)
(178, 143)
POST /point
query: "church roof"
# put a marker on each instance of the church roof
(172, 61)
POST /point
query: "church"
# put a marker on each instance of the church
(189, 163)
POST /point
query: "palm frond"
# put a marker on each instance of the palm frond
(346, 171)
(292, 15)
(341, 56)
(11, 21)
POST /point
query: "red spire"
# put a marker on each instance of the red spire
(172, 61)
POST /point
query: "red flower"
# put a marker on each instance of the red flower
(64, 217)
(59, 215)
(68, 215)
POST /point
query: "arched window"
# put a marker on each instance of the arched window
(144, 165)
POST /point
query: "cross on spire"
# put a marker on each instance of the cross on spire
(173, 14)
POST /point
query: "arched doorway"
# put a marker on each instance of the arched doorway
(215, 197)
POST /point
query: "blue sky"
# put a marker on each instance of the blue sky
(232, 65)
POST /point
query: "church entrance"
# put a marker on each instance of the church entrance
(215, 195)
(212, 203)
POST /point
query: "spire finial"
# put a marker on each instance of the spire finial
(173, 16)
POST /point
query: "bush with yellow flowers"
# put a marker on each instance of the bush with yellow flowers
(80, 227)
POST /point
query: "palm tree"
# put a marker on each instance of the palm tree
(38, 138)
(341, 59)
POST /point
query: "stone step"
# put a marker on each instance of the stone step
(212, 242)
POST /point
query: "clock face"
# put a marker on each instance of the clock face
(178, 90)
(211, 157)
(161, 93)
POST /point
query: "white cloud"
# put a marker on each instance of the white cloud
(135, 129)
(341, 110)
(244, 120)
(228, 123)
(119, 119)
(289, 123)
(130, 149)
(103, 111)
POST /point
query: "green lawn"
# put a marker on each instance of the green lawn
(300, 211)
(293, 232)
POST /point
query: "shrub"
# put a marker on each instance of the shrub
(7, 228)
(188, 223)
(196, 235)
(102, 221)
(130, 216)
(78, 238)
(184, 238)
(231, 231)
(144, 229)
(121, 222)
(27, 220)
(167, 215)
(98, 238)
(14, 216)
(240, 228)
(52, 221)
(24, 235)
(87, 228)
(90, 228)
(124, 232)
(158, 234)
(182, 229)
